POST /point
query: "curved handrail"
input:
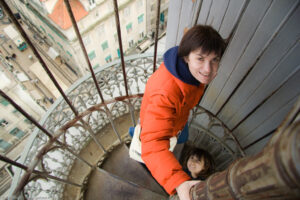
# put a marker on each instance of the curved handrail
(60, 101)
(60, 119)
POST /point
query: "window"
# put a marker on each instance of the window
(96, 66)
(142, 35)
(139, 3)
(92, 2)
(153, 21)
(141, 18)
(86, 40)
(152, 7)
(4, 145)
(16, 112)
(96, 14)
(43, 29)
(129, 27)
(110, 5)
(108, 59)
(17, 132)
(27, 121)
(4, 102)
(51, 36)
(127, 11)
(101, 29)
(113, 23)
(162, 17)
(104, 45)
(92, 55)
(3, 122)
(131, 43)
(69, 53)
(116, 37)
(119, 53)
(60, 45)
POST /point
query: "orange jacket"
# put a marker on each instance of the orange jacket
(164, 112)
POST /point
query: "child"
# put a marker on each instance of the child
(198, 164)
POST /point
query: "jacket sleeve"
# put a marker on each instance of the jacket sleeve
(157, 129)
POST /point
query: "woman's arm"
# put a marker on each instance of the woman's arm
(157, 129)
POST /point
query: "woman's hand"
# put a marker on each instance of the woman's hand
(183, 190)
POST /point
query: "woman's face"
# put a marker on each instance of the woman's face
(195, 166)
(202, 66)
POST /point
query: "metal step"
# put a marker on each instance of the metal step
(120, 164)
(105, 186)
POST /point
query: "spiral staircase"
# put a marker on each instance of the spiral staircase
(119, 177)
(88, 156)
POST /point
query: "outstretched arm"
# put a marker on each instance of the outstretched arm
(183, 190)
(157, 129)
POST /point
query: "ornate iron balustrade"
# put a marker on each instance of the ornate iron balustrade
(85, 99)
(57, 161)
(271, 174)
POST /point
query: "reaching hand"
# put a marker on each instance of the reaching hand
(183, 190)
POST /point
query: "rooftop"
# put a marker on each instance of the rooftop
(60, 15)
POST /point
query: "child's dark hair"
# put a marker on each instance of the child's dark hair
(204, 37)
(209, 164)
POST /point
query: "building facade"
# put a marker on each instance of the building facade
(14, 127)
(96, 23)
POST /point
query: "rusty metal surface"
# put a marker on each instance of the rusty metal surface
(274, 173)
(117, 18)
(68, 6)
(156, 34)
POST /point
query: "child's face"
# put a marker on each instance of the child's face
(195, 166)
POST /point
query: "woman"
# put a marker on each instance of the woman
(171, 92)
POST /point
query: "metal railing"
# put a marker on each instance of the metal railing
(78, 116)
(274, 173)
(74, 136)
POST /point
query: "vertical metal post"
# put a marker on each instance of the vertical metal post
(83, 47)
(86, 125)
(156, 34)
(40, 127)
(89, 129)
(120, 43)
(7, 9)
(43, 174)
(131, 109)
(25, 114)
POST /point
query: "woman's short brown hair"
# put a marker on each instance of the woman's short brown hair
(204, 37)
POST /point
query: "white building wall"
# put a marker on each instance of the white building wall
(95, 28)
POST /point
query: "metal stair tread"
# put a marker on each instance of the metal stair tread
(105, 186)
(120, 164)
